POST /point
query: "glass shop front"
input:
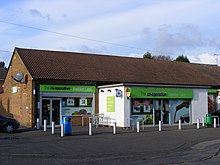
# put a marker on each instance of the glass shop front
(168, 105)
(65, 100)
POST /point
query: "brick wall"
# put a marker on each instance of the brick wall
(18, 104)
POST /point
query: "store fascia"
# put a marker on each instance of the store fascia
(168, 103)
(65, 100)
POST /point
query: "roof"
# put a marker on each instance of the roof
(59, 65)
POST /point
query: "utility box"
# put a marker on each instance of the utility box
(208, 120)
(67, 125)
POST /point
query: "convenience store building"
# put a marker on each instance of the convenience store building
(50, 84)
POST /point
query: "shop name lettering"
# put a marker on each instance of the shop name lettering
(58, 88)
(161, 94)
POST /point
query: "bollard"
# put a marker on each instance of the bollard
(138, 126)
(38, 123)
(90, 129)
(45, 125)
(61, 131)
(203, 122)
(180, 126)
(214, 122)
(82, 121)
(160, 126)
(197, 123)
(53, 127)
(114, 128)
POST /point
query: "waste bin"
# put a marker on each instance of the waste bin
(67, 125)
(208, 120)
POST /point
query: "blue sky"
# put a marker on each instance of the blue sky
(117, 27)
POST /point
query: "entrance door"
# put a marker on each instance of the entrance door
(157, 113)
(161, 111)
(166, 112)
(51, 111)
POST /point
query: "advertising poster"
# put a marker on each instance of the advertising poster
(110, 103)
(146, 104)
(179, 110)
(83, 102)
(70, 101)
(137, 106)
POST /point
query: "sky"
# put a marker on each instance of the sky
(114, 27)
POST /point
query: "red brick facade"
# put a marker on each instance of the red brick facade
(18, 103)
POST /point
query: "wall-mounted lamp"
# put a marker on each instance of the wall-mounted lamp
(128, 93)
(109, 90)
(102, 91)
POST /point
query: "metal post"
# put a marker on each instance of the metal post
(38, 123)
(203, 122)
(90, 129)
(45, 125)
(61, 131)
(114, 128)
(154, 118)
(180, 126)
(138, 126)
(82, 121)
(214, 122)
(197, 123)
(53, 127)
(160, 125)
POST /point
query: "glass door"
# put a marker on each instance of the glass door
(161, 111)
(56, 111)
(166, 112)
(157, 111)
(46, 111)
(51, 110)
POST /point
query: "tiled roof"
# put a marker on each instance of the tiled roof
(44, 64)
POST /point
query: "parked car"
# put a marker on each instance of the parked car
(8, 124)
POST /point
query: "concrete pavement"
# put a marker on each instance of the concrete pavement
(170, 146)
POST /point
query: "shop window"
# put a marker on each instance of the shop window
(141, 106)
(77, 106)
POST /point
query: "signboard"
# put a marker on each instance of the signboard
(67, 88)
(161, 93)
(212, 91)
(110, 103)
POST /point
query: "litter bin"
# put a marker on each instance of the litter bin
(208, 120)
(67, 125)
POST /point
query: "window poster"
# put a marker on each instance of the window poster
(110, 103)
(137, 106)
(179, 110)
(83, 102)
(146, 104)
(70, 101)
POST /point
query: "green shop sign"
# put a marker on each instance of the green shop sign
(161, 93)
(212, 90)
(67, 88)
